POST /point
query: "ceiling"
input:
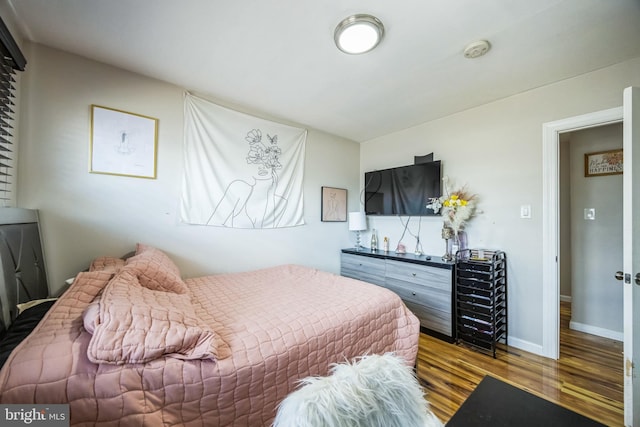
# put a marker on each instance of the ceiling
(278, 57)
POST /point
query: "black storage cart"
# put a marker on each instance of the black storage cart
(481, 298)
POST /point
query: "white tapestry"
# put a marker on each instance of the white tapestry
(240, 171)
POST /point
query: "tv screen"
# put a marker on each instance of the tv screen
(403, 190)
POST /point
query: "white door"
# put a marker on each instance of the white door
(631, 262)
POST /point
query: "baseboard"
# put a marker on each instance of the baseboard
(526, 346)
(565, 298)
(595, 330)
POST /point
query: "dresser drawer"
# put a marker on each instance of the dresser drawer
(364, 268)
(423, 275)
(420, 294)
(432, 318)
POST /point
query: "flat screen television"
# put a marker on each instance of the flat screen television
(404, 190)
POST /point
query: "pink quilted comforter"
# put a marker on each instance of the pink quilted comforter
(225, 353)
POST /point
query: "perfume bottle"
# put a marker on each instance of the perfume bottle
(374, 240)
(385, 244)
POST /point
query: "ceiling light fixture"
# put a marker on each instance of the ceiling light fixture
(358, 34)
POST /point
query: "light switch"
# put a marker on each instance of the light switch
(589, 213)
(525, 211)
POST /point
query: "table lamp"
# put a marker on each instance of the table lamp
(357, 223)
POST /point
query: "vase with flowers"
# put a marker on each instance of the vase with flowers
(457, 207)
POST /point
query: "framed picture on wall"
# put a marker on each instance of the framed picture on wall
(603, 163)
(334, 204)
(123, 143)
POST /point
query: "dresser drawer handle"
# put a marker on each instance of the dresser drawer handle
(414, 274)
(413, 293)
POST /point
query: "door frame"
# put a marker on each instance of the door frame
(551, 215)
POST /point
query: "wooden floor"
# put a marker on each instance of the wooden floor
(587, 378)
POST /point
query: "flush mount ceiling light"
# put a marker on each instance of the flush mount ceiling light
(358, 34)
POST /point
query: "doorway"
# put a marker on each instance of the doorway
(590, 250)
(550, 219)
(590, 232)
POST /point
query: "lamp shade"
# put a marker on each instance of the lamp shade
(357, 221)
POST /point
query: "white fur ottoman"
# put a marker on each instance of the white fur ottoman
(373, 391)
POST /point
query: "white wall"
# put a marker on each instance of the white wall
(497, 150)
(87, 215)
(596, 304)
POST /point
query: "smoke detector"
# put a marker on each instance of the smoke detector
(476, 49)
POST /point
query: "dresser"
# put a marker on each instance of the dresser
(425, 283)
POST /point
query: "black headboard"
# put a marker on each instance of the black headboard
(22, 268)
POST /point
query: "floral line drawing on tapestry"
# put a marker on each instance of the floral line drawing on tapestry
(257, 201)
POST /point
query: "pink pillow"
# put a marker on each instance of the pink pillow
(155, 270)
(107, 263)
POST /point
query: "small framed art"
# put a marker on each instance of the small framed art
(123, 143)
(603, 163)
(334, 204)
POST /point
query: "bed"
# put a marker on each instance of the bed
(131, 343)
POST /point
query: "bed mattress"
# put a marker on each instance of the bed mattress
(271, 327)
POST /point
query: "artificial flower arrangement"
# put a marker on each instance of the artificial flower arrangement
(458, 207)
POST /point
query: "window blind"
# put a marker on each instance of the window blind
(12, 61)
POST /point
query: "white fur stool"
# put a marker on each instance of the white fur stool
(373, 391)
